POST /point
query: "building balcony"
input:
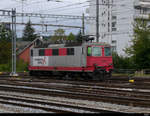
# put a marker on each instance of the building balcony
(142, 16)
(137, 3)
(141, 4)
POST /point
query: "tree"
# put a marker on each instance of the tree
(5, 52)
(79, 37)
(59, 36)
(29, 33)
(71, 37)
(121, 62)
(140, 48)
(5, 34)
(5, 45)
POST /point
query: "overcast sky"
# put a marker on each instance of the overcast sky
(42, 6)
(65, 7)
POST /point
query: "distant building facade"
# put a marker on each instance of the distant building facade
(116, 19)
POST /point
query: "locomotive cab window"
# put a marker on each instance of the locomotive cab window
(70, 51)
(89, 51)
(96, 51)
(41, 52)
(107, 51)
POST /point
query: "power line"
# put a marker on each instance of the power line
(4, 13)
(31, 3)
(53, 16)
(38, 24)
(97, 21)
(69, 5)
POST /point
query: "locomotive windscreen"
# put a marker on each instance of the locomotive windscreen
(97, 51)
(94, 51)
(107, 51)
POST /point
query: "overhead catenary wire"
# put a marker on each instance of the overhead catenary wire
(87, 6)
(28, 4)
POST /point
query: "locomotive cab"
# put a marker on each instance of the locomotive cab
(100, 58)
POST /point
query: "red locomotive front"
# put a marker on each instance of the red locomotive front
(99, 58)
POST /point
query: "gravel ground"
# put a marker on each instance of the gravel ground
(82, 103)
(14, 109)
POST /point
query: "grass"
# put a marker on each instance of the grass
(21, 67)
(132, 75)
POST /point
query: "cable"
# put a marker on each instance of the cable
(69, 5)
(29, 4)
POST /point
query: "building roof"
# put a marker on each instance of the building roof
(23, 45)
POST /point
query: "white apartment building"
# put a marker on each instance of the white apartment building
(116, 19)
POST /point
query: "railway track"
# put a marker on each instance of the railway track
(87, 88)
(109, 92)
(40, 104)
(138, 80)
(138, 84)
(113, 95)
(122, 82)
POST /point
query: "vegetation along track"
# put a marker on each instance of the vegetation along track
(86, 91)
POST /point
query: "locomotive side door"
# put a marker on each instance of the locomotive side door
(83, 56)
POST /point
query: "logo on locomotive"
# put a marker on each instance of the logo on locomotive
(40, 61)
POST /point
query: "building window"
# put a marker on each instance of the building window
(31, 52)
(114, 29)
(114, 49)
(108, 27)
(113, 24)
(55, 52)
(104, 2)
(41, 52)
(70, 51)
(114, 17)
(114, 41)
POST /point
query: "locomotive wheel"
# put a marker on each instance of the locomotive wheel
(85, 76)
(109, 75)
(67, 76)
(33, 73)
(30, 73)
(98, 75)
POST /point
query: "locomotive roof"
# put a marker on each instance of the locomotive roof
(98, 44)
(77, 45)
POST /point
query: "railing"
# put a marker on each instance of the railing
(136, 2)
(142, 16)
(132, 72)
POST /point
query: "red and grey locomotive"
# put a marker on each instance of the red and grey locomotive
(93, 60)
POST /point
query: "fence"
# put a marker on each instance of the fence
(133, 72)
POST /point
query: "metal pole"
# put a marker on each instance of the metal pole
(15, 40)
(97, 20)
(14, 43)
(83, 25)
(22, 10)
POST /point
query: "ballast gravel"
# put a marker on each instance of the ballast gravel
(82, 103)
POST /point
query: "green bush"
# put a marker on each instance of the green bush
(20, 67)
(5, 67)
(121, 62)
